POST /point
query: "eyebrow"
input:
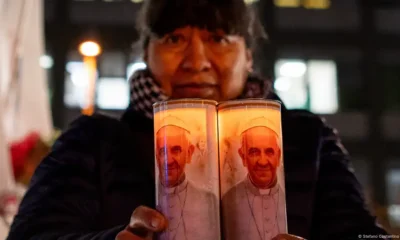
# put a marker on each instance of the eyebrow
(253, 148)
(176, 147)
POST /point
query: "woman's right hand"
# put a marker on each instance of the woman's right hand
(143, 224)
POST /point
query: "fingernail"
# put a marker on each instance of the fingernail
(155, 222)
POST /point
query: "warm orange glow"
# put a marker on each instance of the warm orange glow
(186, 164)
(91, 67)
(232, 122)
(194, 121)
(193, 116)
(90, 49)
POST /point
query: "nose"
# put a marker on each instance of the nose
(195, 56)
(169, 159)
(263, 160)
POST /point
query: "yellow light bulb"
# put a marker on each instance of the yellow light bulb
(90, 49)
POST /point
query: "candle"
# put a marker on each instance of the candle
(187, 173)
(251, 169)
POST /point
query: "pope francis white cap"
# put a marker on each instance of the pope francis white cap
(259, 122)
(173, 121)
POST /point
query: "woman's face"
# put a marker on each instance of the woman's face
(196, 63)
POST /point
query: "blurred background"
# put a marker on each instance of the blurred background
(336, 58)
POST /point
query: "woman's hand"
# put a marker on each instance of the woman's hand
(143, 224)
(287, 237)
(146, 221)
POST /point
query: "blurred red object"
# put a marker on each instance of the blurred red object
(20, 151)
(9, 202)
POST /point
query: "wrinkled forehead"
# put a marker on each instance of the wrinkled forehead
(231, 17)
(260, 136)
(171, 134)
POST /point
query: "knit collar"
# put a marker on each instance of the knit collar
(145, 91)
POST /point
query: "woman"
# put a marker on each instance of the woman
(101, 169)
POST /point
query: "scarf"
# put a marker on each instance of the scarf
(145, 91)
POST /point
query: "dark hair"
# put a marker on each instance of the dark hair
(159, 17)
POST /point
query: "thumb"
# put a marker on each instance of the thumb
(145, 221)
(287, 237)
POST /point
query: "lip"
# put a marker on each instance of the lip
(202, 90)
(263, 169)
(196, 85)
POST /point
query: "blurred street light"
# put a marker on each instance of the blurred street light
(46, 61)
(90, 50)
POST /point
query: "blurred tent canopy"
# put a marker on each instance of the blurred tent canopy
(24, 102)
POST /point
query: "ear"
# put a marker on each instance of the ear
(190, 152)
(242, 156)
(156, 150)
(249, 60)
(279, 157)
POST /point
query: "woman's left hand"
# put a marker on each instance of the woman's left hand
(287, 237)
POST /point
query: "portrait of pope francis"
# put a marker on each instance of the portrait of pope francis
(255, 207)
(191, 211)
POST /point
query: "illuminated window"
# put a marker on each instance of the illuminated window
(322, 80)
(317, 15)
(311, 4)
(287, 3)
(76, 84)
(250, 1)
(317, 4)
(112, 64)
(308, 85)
(393, 185)
(112, 93)
(290, 83)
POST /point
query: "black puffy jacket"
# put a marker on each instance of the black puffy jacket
(101, 169)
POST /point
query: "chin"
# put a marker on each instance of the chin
(170, 183)
(192, 94)
(196, 97)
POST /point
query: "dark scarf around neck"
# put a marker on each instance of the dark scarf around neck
(145, 91)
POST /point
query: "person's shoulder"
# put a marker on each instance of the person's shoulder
(306, 122)
(301, 116)
(91, 129)
(315, 130)
(312, 120)
(95, 120)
